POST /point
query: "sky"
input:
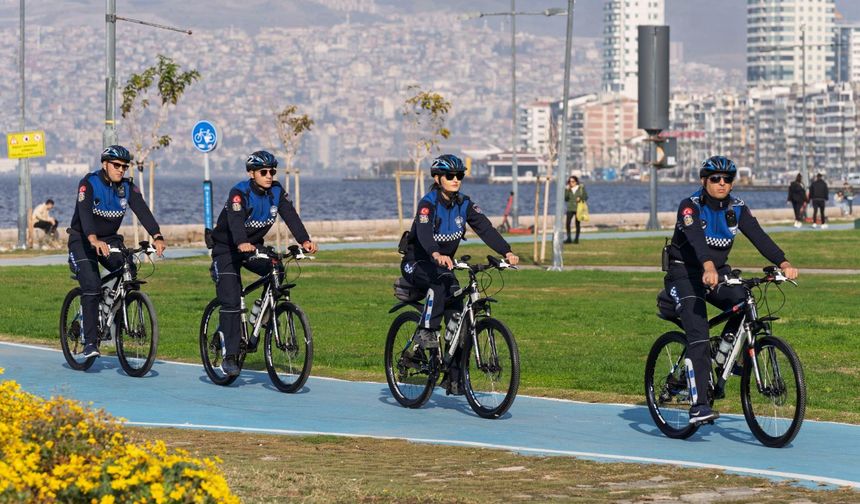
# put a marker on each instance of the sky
(712, 31)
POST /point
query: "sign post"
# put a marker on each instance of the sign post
(23, 146)
(205, 138)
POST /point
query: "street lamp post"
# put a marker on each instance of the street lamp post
(109, 135)
(561, 172)
(25, 195)
(515, 134)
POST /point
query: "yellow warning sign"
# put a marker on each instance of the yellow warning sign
(26, 144)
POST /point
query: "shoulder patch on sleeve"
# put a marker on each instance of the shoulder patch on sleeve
(83, 188)
(424, 211)
(237, 199)
(476, 208)
(687, 211)
(688, 220)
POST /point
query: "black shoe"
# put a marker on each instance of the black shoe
(568, 241)
(427, 338)
(576, 241)
(90, 351)
(229, 366)
(451, 387)
(702, 413)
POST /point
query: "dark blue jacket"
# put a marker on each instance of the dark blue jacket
(101, 206)
(706, 230)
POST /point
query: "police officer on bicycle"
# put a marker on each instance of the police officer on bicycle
(252, 208)
(707, 223)
(103, 197)
(439, 225)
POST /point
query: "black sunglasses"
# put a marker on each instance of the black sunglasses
(715, 179)
(457, 175)
(119, 165)
(266, 171)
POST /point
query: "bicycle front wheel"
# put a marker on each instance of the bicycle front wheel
(411, 372)
(290, 354)
(137, 343)
(72, 331)
(666, 389)
(491, 370)
(774, 411)
(212, 345)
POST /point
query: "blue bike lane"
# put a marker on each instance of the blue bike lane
(180, 395)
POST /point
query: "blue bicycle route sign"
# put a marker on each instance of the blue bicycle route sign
(205, 136)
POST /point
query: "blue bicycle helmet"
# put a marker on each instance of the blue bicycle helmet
(446, 163)
(116, 152)
(718, 164)
(260, 159)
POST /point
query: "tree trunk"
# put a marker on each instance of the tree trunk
(399, 199)
(298, 194)
(152, 187)
(535, 225)
(415, 188)
(545, 211)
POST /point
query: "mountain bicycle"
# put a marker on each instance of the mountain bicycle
(477, 350)
(126, 315)
(288, 341)
(772, 387)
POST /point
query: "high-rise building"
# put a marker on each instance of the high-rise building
(789, 41)
(847, 51)
(621, 19)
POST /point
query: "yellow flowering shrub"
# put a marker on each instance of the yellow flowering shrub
(58, 450)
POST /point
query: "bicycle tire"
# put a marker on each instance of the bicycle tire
(781, 428)
(210, 347)
(668, 353)
(137, 362)
(410, 372)
(495, 397)
(293, 353)
(71, 332)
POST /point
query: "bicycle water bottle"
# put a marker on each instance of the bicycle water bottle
(451, 326)
(255, 310)
(725, 347)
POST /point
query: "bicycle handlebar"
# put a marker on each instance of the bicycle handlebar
(145, 247)
(492, 262)
(772, 275)
(293, 251)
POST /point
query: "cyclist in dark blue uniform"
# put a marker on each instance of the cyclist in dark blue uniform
(252, 207)
(103, 197)
(439, 225)
(698, 257)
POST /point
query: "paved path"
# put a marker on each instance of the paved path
(179, 253)
(180, 395)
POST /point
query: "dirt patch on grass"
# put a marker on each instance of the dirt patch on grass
(267, 468)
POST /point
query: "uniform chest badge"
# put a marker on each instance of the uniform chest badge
(123, 203)
(273, 210)
(458, 221)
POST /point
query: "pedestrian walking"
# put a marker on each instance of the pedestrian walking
(818, 195)
(848, 193)
(575, 195)
(797, 198)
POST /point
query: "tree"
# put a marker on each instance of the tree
(162, 84)
(291, 127)
(425, 113)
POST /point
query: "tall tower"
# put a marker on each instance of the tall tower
(783, 34)
(620, 41)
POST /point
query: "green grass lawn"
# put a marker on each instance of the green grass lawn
(820, 249)
(582, 334)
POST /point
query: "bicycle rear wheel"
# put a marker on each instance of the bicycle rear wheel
(491, 385)
(72, 331)
(410, 371)
(137, 344)
(666, 389)
(290, 355)
(211, 345)
(775, 412)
